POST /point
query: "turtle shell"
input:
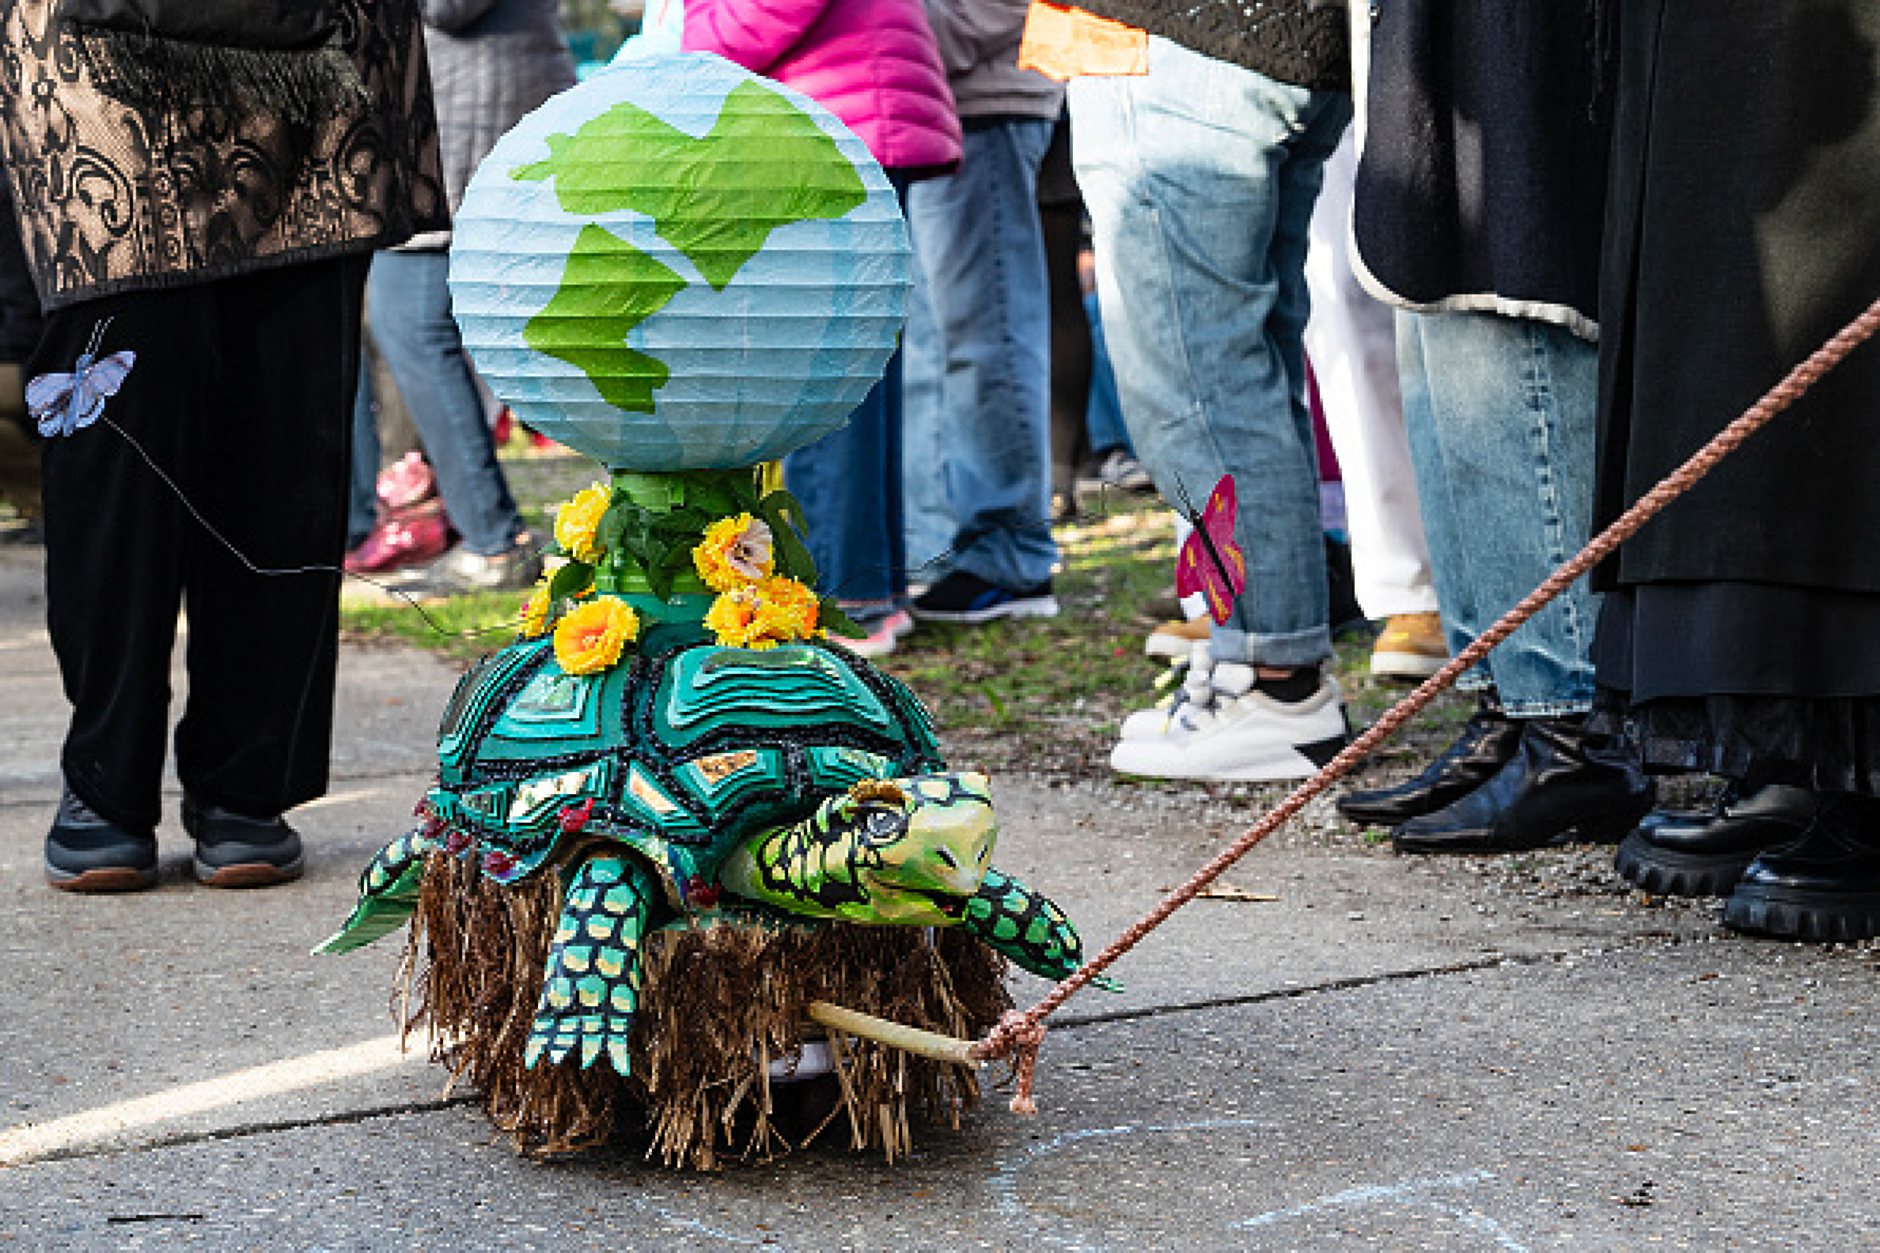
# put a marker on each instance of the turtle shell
(679, 754)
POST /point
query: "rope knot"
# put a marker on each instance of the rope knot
(1018, 1036)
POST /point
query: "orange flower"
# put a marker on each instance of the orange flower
(763, 615)
(591, 636)
(578, 519)
(735, 552)
(535, 610)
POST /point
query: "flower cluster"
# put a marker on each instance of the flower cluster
(591, 636)
(764, 614)
(578, 520)
(735, 552)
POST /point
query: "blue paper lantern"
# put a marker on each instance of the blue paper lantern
(680, 265)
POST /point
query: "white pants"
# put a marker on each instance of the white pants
(1352, 347)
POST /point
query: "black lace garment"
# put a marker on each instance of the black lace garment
(1292, 41)
(114, 196)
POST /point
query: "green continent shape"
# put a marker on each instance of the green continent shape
(607, 288)
(764, 164)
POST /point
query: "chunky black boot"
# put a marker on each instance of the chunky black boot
(1563, 786)
(1823, 886)
(1705, 852)
(1488, 740)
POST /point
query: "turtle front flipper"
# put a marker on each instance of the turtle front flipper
(592, 985)
(1027, 927)
(388, 893)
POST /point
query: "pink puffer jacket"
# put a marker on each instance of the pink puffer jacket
(872, 63)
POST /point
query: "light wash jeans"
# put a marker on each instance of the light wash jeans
(1500, 414)
(980, 367)
(1200, 179)
(408, 312)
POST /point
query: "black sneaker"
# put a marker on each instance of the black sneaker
(963, 597)
(234, 851)
(86, 852)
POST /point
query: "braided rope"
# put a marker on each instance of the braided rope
(1020, 1033)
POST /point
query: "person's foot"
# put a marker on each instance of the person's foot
(1116, 470)
(86, 852)
(1705, 852)
(1489, 740)
(883, 634)
(1564, 786)
(1228, 724)
(412, 536)
(460, 572)
(1825, 885)
(1176, 640)
(967, 598)
(1411, 646)
(237, 851)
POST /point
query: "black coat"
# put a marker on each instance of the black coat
(1743, 228)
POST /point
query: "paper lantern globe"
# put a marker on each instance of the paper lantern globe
(680, 265)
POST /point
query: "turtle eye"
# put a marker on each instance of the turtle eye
(878, 826)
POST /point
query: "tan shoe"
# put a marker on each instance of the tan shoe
(1410, 646)
(1175, 640)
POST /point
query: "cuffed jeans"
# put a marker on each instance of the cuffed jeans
(408, 311)
(985, 429)
(1200, 179)
(1500, 414)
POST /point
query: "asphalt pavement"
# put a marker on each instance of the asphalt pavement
(1351, 1050)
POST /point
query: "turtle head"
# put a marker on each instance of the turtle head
(910, 851)
(922, 845)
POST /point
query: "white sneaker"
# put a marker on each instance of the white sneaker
(1223, 728)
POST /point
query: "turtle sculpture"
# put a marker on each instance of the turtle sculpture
(702, 783)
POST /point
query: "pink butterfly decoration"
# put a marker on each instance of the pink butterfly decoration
(64, 403)
(1210, 561)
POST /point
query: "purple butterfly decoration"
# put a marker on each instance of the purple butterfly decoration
(64, 403)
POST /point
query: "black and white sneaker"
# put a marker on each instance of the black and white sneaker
(963, 597)
(87, 852)
(1222, 727)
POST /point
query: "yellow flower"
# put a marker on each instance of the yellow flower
(763, 615)
(733, 617)
(535, 610)
(591, 636)
(577, 520)
(734, 552)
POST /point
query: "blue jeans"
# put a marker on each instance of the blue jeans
(986, 432)
(1500, 415)
(1200, 178)
(408, 311)
(1103, 413)
(849, 484)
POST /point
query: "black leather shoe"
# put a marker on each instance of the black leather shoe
(234, 851)
(1823, 886)
(86, 852)
(1488, 741)
(1563, 786)
(1705, 852)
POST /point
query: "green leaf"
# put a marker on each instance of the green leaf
(793, 557)
(571, 580)
(831, 619)
(614, 524)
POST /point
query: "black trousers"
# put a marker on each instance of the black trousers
(242, 394)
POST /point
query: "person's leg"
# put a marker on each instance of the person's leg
(1512, 402)
(924, 448)
(116, 538)
(841, 482)
(415, 333)
(1183, 171)
(981, 245)
(1352, 346)
(362, 497)
(273, 471)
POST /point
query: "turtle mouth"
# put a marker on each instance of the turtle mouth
(949, 904)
